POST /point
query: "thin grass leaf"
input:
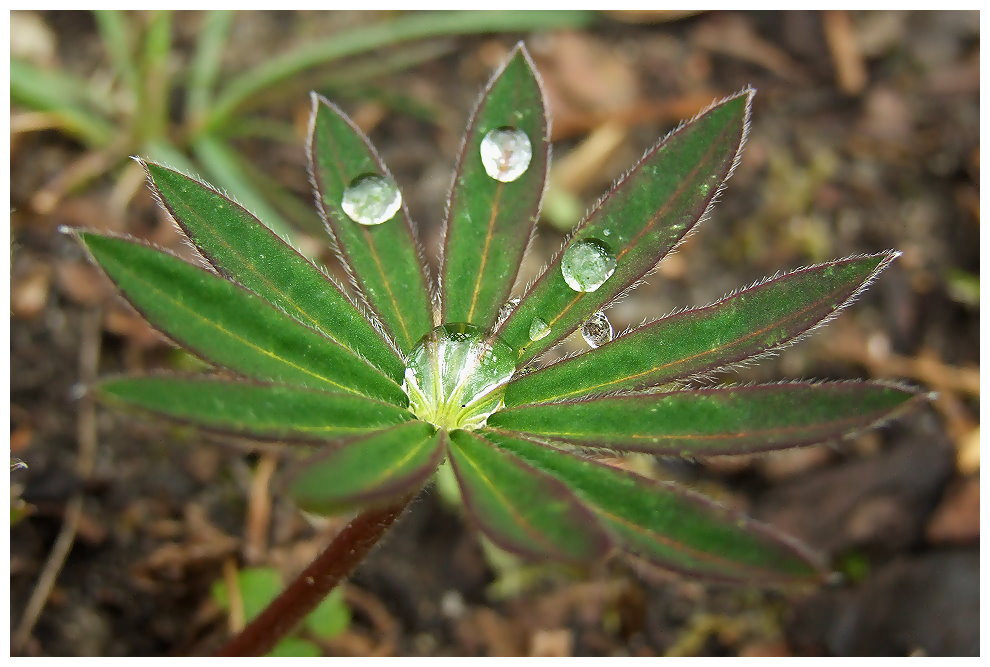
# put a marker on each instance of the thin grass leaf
(243, 249)
(227, 325)
(115, 34)
(380, 467)
(61, 95)
(206, 62)
(521, 509)
(257, 410)
(632, 228)
(153, 103)
(489, 221)
(382, 256)
(412, 26)
(726, 420)
(744, 325)
(670, 526)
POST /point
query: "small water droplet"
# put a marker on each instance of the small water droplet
(586, 265)
(506, 153)
(371, 200)
(538, 329)
(597, 330)
(506, 310)
(606, 232)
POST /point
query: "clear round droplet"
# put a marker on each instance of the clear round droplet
(455, 376)
(586, 265)
(371, 200)
(506, 153)
(597, 330)
(538, 329)
(506, 310)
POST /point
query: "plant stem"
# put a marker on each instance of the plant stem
(314, 583)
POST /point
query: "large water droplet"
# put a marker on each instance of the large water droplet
(455, 376)
(371, 200)
(586, 265)
(597, 330)
(538, 329)
(506, 153)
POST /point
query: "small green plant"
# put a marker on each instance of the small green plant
(377, 391)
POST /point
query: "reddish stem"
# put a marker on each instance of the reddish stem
(314, 583)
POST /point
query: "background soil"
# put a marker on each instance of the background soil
(865, 136)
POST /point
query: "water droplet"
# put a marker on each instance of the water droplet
(455, 376)
(597, 330)
(506, 153)
(371, 200)
(506, 310)
(538, 329)
(586, 265)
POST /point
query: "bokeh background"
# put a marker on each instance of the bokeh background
(865, 136)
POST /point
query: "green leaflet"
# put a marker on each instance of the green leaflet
(741, 326)
(520, 508)
(246, 251)
(489, 221)
(227, 325)
(387, 465)
(728, 420)
(668, 525)
(384, 259)
(258, 410)
(633, 227)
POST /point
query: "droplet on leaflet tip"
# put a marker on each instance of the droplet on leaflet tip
(597, 330)
(506, 153)
(371, 200)
(586, 265)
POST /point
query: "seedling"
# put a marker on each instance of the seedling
(376, 391)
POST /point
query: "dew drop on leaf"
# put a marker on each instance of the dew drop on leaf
(597, 330)
(506, 310)
(538, 329)
(506, 153)
(586, 265)
(371, 200)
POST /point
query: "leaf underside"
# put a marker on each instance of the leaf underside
(384, 466)
(739, 327)
(725, 420)
(384, 259)
(489, 222)
(227, 325)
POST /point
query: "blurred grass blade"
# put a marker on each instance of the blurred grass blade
(251, 409)
(225, 168)
(153, 101)
(206, 63)
(239, 246)
(728, 420)
(670, 526)
(411, 26)
(520, 508)
(384, 259)
(115, 32)
(165, 152)
(387, 465)
(633, 227)
(227, 325)
(744, 325)
(489, 222)
(52, 92)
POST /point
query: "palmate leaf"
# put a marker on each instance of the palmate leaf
(227, 325)
(383, 259)
(724, 420)
(741, 326)
(243, 249)
(262, 411)
(489, 222)
(648, 213)
(668, 525)
(384, 466)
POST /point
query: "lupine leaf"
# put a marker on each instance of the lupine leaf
(379, 467)
(668, 525)
(727, 420)
(258, 410)
(743, 325)
(227, 325)
(636, 224)
(520, 508)
(384, 259)
(242, 248)
(489, 222)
